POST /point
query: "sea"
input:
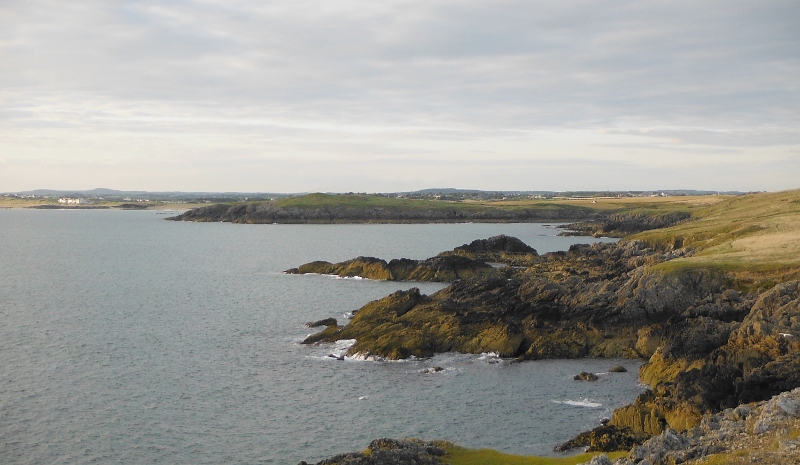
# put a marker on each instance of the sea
(128, 339)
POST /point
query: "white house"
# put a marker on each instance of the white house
(71, 201)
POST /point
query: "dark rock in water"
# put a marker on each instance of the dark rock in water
(324, 322)
(501, 243)
(433, 370)
(618, 369)
(337, 357)
(442, 268)
(585, 376)
(390, 452)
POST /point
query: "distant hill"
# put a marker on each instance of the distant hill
(445, 191)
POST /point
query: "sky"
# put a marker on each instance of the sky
(389, 96)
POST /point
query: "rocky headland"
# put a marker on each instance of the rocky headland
(468, 261)
(717, 334)
(325, 209)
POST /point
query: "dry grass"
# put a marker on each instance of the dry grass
(756, 232)
(461, 456)
(622, 204)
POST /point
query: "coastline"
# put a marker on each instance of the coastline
(716, 337)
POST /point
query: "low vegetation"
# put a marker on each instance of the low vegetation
(457, 455)
(754, 238)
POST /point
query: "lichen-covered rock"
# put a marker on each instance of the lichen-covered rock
(605, 438)
(390, 452)
(437, 269)
(750, 431)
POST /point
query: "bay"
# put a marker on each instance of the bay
(125, 338)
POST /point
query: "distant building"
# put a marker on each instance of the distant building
(71, 201)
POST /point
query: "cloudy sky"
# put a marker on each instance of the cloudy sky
(382, 96)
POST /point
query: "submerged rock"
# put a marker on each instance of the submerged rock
(585, 376)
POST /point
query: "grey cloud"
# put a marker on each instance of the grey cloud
(711, 78)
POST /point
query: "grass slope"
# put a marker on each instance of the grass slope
(755, 233)
(461, 456)
(367, 201)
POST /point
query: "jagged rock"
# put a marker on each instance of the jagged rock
(501, 244)
(601, 459)
(728, 432)
(656, 448)
(780, 407)
(436, 269)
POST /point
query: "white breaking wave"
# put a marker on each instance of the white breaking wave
(578, 403)
(336, 276)
(362, 357)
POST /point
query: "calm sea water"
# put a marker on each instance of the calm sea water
(128, 339)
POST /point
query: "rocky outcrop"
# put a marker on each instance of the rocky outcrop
(762, 432)
(591, 300)
(604, 438)
(436, 269)
(467, 261)
(501, 244)
(710, 346)
(621, 225)
(390, 452)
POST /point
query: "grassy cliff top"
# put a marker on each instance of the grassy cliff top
(754, 232)
(644, 205)
(367, 201)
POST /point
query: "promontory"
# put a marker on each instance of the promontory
(712, 301)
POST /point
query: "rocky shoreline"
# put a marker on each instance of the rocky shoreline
(273, 212)
(712, 342)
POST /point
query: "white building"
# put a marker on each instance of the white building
(71, 201)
